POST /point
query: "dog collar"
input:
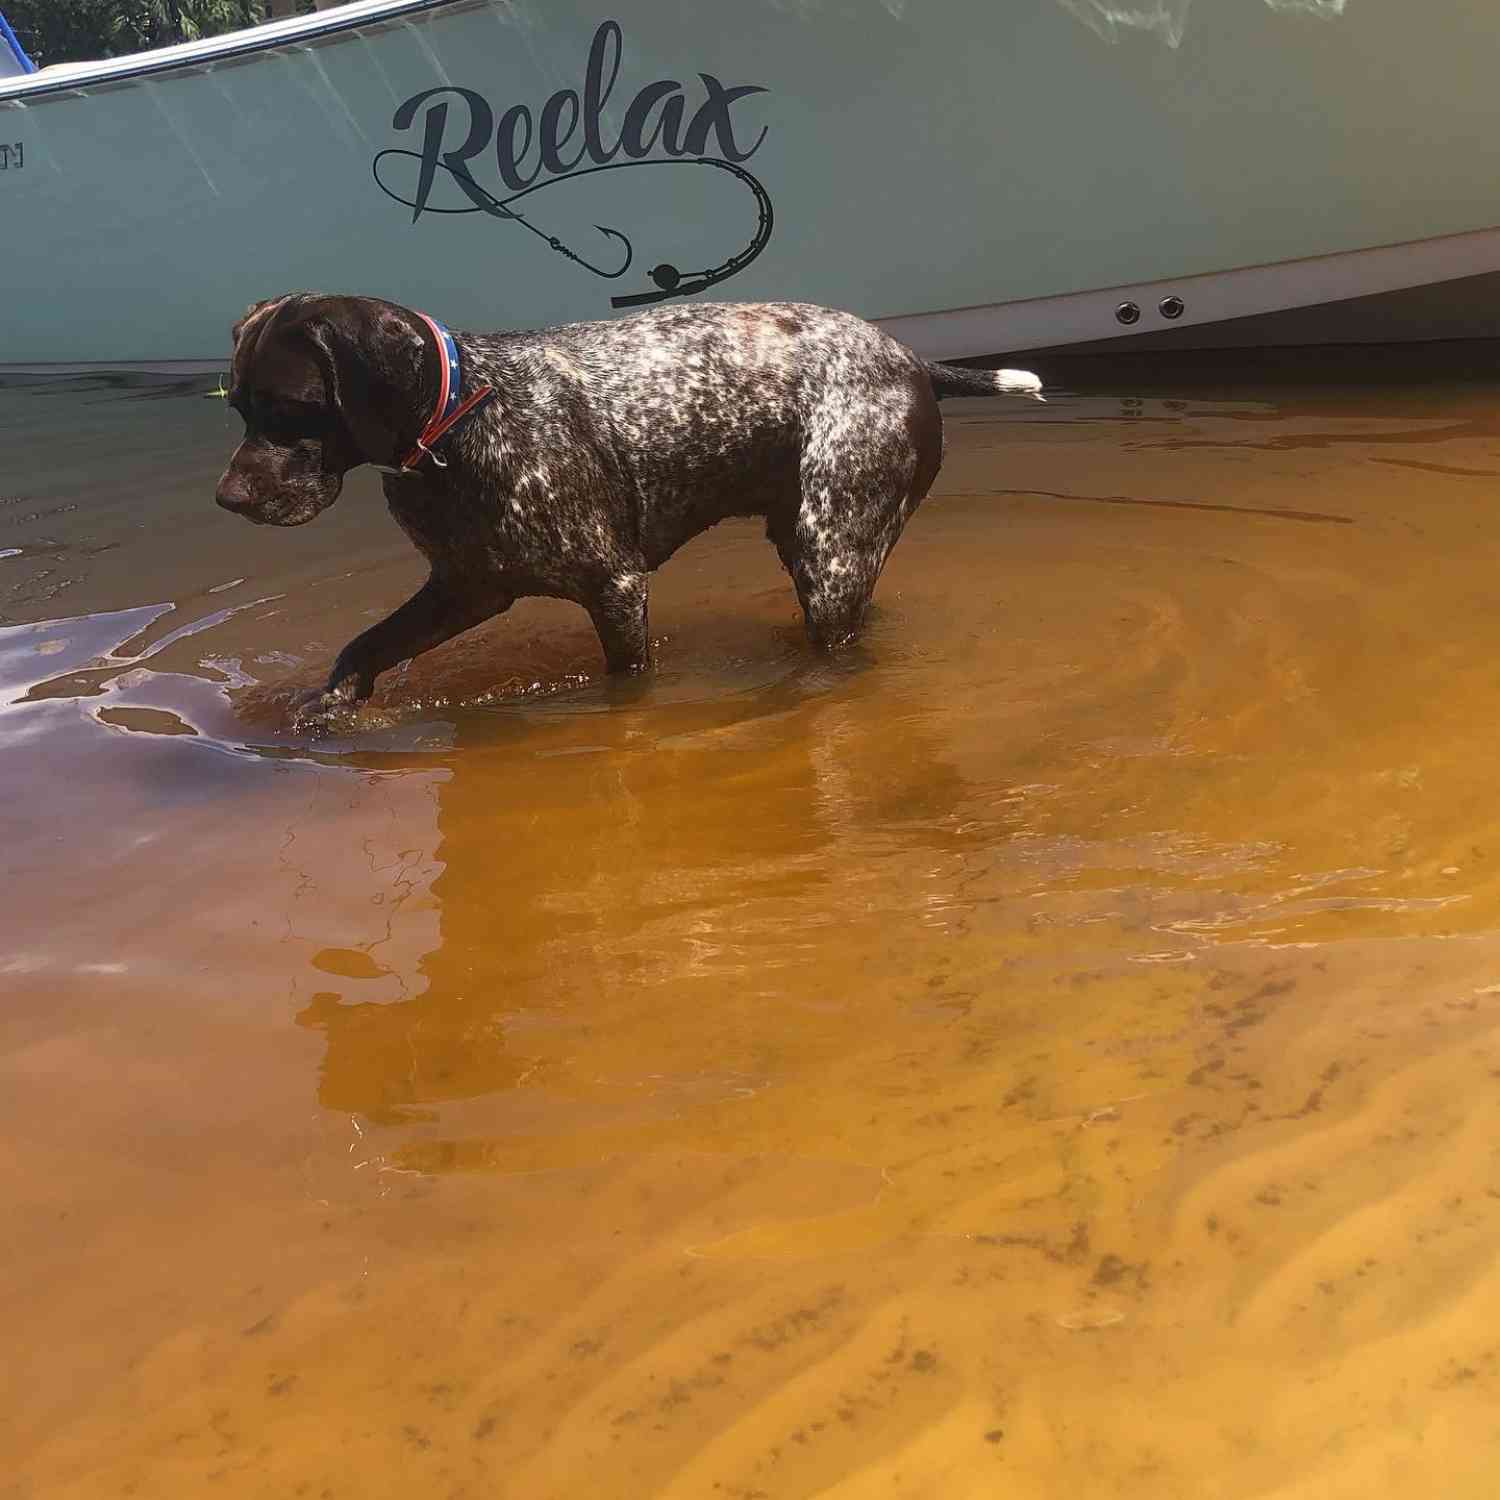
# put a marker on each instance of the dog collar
(449, 411)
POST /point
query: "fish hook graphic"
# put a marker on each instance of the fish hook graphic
(484, 201)
(668, 280)
(588, 265)
(501, 208)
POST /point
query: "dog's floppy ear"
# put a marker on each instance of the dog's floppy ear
(347, 379)
(372, 369)
(251, 314)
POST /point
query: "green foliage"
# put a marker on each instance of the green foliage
(55, 31)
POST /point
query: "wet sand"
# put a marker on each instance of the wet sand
(1051, 1049)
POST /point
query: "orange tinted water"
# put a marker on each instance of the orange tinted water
(1052, 1049)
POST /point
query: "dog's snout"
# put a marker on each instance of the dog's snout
(233, 494)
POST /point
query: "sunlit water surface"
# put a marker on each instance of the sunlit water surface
(1053, 1049)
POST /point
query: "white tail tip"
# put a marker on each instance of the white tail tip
(1019, 383)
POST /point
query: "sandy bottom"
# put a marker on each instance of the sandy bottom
(1053, 1049)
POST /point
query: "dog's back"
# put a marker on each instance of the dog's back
(706, 411)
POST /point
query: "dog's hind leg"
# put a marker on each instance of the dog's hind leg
(618, 611)
(834, 569)
(865, 468)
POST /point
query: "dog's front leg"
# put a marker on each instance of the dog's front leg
(441, 609)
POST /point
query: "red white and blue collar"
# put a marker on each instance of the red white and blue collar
(449, 410)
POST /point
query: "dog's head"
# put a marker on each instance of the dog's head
(324, 384)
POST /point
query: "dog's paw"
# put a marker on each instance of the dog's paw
(323, 710)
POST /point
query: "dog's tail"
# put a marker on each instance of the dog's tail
(950, 380)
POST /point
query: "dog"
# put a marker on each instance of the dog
(570, 462)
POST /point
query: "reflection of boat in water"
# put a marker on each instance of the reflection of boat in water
(980, 178)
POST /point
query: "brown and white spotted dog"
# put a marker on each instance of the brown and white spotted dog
(605, 448)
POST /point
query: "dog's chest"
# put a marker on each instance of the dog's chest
(452, 525)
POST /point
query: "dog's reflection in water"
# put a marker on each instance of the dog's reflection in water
(615, 903)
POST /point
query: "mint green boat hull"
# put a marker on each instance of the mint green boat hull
(981, 175)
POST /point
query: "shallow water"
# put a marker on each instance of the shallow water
(1052, 1049)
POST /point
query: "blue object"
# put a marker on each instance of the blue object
(13, 58)
(451, 379)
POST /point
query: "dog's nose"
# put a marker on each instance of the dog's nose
(232, 498)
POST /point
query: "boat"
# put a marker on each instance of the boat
(978, 178)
